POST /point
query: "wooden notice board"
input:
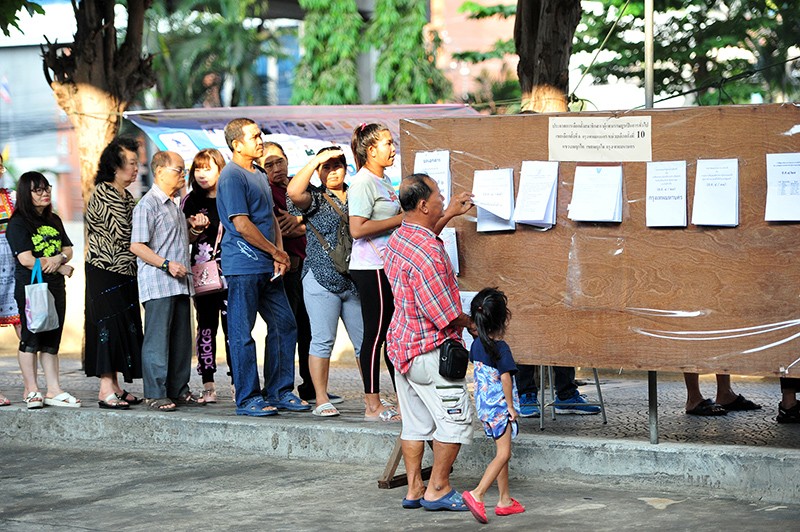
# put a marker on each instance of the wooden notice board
(622, 295)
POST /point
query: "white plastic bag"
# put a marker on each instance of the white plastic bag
(40, 305)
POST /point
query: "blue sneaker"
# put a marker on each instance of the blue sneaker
(575, 405)
(528, 405)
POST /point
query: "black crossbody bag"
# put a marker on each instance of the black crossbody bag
(453, 360)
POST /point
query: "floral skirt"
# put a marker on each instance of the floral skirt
(9, 314)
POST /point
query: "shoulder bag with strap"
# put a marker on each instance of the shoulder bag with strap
(340, 255)
(207, 276)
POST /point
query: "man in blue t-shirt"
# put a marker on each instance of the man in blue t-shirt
(254, 261)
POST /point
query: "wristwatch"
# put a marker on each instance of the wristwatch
(165, 266)
(64, 258)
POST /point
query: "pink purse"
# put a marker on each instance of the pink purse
(207, 276)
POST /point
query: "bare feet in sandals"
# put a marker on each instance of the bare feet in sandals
(4, 401)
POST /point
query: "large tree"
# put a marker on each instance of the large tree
(9, 13)
(543, 33)
(95, 77)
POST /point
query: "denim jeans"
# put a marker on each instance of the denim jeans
(249, 295)
(167, 347)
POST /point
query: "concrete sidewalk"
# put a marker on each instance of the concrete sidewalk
(103, 486)
(744, 455)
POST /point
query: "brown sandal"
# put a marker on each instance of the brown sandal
(163, 404)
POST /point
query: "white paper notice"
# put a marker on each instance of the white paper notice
(596, 194)
(666, 194)
(448, 236)
(488, 222)
(493, 190)
(716, 193)
(783, 187)
(437, 165)
(599, 139)
(536, 199)
(466, 301)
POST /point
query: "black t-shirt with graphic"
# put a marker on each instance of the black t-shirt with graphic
(43, 238)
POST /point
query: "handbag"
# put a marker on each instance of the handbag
(40, 305)
(207, 276)
(453, 360)
(340, 255)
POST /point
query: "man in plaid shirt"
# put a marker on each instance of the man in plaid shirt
(427, 312)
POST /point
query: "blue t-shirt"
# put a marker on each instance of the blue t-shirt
(244, 193)
(506, 362)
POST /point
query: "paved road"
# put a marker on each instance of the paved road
(112, 488)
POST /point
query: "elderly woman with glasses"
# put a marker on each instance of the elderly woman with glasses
(113, 326)
(36, 233)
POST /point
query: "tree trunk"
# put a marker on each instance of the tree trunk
(95, 114)
(543, 32)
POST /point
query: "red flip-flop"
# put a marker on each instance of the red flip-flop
(477, 508)
(515, 508)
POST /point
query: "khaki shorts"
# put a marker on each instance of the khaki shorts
(432, 406)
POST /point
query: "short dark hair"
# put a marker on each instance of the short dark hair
(269, 143)
(234, 130)
(414, 189)
(202, 158)
(24, 207)
(364, 136)
(160, 159)
(111, 158)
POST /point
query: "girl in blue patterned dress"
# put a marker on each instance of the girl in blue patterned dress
(496, 398)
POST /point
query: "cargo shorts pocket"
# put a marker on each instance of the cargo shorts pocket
(454, 400)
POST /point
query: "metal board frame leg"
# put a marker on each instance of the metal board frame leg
(652, 398)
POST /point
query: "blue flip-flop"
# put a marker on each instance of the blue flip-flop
(452, 502)
(255, 408)
(291, 402)
(412, 504)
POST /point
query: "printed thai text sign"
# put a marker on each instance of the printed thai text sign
(599, 139)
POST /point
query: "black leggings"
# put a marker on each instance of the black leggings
(210, 308)
(377, 307)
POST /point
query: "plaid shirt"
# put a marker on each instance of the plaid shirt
(425, 293)
(159, 223)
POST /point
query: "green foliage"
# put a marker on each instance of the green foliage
(327, 74)
(478, 11)
(406, 69)
(9, 10)
(699, 45)
(208, 43)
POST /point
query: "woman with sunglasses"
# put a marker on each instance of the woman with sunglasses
(34, 233)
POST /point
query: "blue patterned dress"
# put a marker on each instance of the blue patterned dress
(490, 401)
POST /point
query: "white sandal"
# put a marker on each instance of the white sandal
(34, 400)
(63, 399)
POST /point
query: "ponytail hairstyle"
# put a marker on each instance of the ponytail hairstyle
(364, 136)
(489, 311)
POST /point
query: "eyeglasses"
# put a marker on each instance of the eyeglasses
(41, 190)
(179, 171)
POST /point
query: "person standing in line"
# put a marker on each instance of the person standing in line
(496, 398)
(9, 313)
(428, 312)
(211, 308)
(160, 242)
(113, 322)
(254, 262)
(293, 232)
(329, 294)
(36, 234)
(374, 215)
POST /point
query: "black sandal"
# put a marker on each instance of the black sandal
(707, 408)
(129, 398)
